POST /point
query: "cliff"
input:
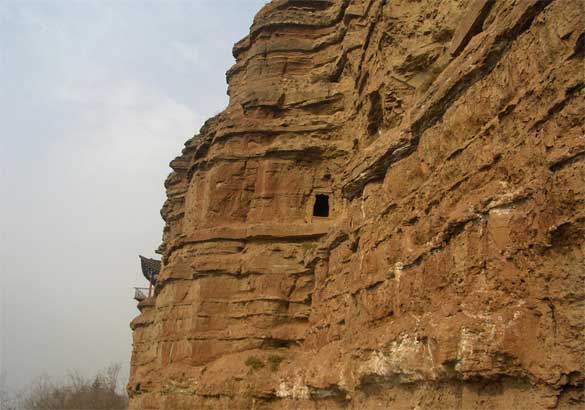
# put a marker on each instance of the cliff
(388, 214)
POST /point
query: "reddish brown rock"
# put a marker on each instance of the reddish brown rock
(448, 141)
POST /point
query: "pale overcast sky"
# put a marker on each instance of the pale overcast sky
(97, 97)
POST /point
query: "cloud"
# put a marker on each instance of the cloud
(188, 52)
(133, 129)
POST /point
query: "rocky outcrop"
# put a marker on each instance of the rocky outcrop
(388, 214)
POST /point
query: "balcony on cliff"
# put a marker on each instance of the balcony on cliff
(150, 270)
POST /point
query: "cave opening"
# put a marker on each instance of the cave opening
(321, 206)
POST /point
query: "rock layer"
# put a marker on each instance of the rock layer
(447, 138)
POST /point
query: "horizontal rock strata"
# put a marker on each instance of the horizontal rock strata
(388, 214)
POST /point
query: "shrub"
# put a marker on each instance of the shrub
(99, 392)
(254, 363)
(275, 361)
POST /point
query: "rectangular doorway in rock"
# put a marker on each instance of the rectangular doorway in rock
(321, 206)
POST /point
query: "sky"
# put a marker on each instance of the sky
(96, 98)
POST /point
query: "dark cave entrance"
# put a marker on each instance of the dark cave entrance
(321, 206)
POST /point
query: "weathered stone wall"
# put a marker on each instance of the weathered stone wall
(450, 271)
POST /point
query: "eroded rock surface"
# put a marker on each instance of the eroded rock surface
(446, 139)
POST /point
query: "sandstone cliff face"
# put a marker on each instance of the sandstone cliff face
(447, 138)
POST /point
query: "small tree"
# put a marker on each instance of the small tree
(7, 401)
(78, 392)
